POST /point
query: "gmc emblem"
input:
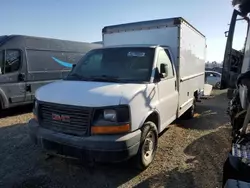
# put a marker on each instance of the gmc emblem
(57, 117)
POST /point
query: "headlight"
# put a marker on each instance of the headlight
(116, 114)
(110, 115)
(112, 120)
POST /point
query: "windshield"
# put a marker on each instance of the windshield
(115, 64)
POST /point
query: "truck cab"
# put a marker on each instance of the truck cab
(122, 98)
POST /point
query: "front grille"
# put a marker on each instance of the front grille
(76, 123)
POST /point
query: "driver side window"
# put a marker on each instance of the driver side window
(163, 58)
(93, 62)
(10, 61)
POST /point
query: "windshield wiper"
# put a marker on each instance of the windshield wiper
(75, 75)
(79, 77)
(95, 78)
(105, 78)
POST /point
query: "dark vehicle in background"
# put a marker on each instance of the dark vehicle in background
(26, 63)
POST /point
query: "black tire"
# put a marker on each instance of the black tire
(217, 85)
(141, 160)
(189, 114)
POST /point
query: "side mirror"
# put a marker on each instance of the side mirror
(163, 70)
(226, 33)
(73, 66)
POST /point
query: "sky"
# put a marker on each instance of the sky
(83, 20)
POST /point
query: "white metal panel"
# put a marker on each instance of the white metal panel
(191, 65)
(246, 60)
(166, 36)
(143, 25)
(167, 96)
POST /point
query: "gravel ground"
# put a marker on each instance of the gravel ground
(190, 154)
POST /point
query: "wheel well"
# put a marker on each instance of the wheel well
(154, 117)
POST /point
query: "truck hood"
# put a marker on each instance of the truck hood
(90, 94)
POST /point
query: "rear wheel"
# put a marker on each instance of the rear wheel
(148, 146)
(189, 114)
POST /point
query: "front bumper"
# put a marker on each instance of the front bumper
(99, 148)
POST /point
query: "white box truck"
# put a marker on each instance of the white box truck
(117, 99)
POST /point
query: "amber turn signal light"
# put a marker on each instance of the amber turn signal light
(110, 129)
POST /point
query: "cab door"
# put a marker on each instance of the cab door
(167, 89)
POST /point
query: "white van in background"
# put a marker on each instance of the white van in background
(117, 99)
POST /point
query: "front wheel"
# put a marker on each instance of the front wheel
(148, 146)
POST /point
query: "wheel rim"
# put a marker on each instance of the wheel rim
(218, 85)
(148, 149)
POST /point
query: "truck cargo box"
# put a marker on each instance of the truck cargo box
(188, 47)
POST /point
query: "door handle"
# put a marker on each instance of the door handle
(175, 84)
(28, 88)
(21, 76)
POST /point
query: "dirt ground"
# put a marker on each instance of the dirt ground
(190, 154)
